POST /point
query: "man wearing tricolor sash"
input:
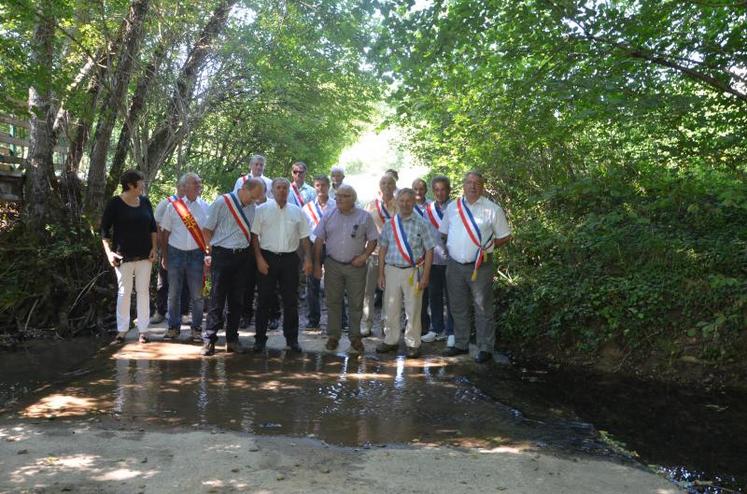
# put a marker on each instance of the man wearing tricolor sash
(405, 256)
(438, 296)
(182, 253)
(381, 209)
(300, 192)
(231, 262)
(474, 226)
(314, 211)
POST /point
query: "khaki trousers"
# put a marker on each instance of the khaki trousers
(396, 291)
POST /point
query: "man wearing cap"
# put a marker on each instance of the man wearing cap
(474, 226)
(348, 235)
(405, 256)
(228, 231)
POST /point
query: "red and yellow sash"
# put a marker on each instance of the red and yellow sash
(189, 221)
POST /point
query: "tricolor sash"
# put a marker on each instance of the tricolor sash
(234, 207)
(421, 211)
(403, 245)
(297, 198)
(435, 214)
(468, 220)
(313, 211)
(189, 221)
(381, 209)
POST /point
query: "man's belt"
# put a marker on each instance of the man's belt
(218, 248)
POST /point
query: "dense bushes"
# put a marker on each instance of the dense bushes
(655, 262)
(54, 282)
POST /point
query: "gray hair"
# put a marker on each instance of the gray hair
(441, 179)
(475, 174)
(184, 179)
(278, 180)
(349, 188)
(256, 157)
(253, 183)
(405, 191)
(337, 169)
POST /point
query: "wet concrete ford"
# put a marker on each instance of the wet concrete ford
(369, 402)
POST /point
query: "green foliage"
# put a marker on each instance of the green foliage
(613, 133)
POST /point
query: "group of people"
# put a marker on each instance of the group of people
(278, 236)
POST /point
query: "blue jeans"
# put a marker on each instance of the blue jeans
(437, 292)
(185, 264)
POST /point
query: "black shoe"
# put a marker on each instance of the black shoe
(295, 347)
(453, 351)
(274, 323)
(483, 357)
(208, 349)
(258, 348)
(235, 347)
(384, 348)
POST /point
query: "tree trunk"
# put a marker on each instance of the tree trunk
(165, 138)
(137, 105)
(111, 106)
(39, 166)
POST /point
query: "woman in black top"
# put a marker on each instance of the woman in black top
(128, 230)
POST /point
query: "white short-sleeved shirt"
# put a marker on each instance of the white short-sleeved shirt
(280, 230)
(240, 183)
(160, 210)
(179, 236)
(490, 219)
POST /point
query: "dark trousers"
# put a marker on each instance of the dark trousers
(162, 293)
(283, 271)
(251, 285)
(425, 319)
(439, 297)
(228, 275)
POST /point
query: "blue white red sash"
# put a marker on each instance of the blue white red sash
(314, 212)
(421, 211)
(297, 197)
(435, 214)
(473, 231)
(403, 245)
(381, 209)
(234, 207)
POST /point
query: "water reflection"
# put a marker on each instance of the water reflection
(337, 398)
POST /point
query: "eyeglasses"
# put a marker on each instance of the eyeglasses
(298, 172)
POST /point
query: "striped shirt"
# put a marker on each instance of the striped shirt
(419, 237)
(226, 233)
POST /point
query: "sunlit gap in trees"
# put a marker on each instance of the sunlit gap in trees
(366, 160)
